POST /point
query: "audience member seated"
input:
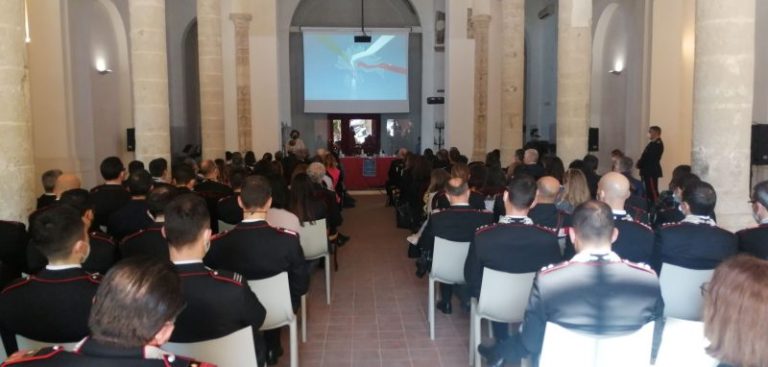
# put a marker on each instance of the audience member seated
(456, 223)
(161, 176)
(590, 173)
(514, 245)
(218, 302)
(545, 212)
(624, 165)
(278, 214)
(316, 174)
(110, 196)
(754, 240)
(228, 209)
(735, 312)
(150, 242)
(575, 190)
(184, 178)
(52, 305)
(476, 198)
(257, 251)
(49, 183)
(696, 242)
(132, 316)
(13, 251)
(615, 296)
(212, 190)
(309, 205)
(672, 213)
(553, 166)
(530, 165)
(134, 215)
(395, 174)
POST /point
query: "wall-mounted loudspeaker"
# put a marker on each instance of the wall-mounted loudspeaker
(130, 138)
(594, 139)
(435, 100)
(760, 145)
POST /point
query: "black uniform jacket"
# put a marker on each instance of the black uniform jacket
(51, 306)
(91, 353)
(257, 251)
(13, 245)
(102, 256)
(754, 241)
(476, 201)
(549, 216)
(601, 295)
(45, 200)
(693, 246)
(457, 223)
(228, 210)
(131, 218)
(107, 199)
(513, 247)
(212, 192)
(147, 242)
(650, 161)
(635, 241)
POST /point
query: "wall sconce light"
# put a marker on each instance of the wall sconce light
(618, 68)
(101, 66)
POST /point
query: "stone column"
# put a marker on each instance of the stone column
(722, 104)
(211, 77)
(16, 157)
(149, 61)
(512, 78)
(243, 71)
(574, 69)
(480, 25)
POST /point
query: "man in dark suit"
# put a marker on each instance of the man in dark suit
(218, 302)
(696, 242)
(615, 296)
(212, 190)
(514, 245)
(755, 240)
(635, 241)
(53, 305)
(257, 251)
(110, 196)
(132, 316)
(13, 251)
(184, 178)
(134, 215)
(457, 223)
(150, 241)
(650, 163)
(228, 208)
(544, 212)
(49, 183)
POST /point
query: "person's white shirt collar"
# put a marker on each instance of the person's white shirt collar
(253, 220)
(505, 219)
(63, 267)
(460, 204)
(187, 262)
(699, 219)
(619, 212)
(592, 255)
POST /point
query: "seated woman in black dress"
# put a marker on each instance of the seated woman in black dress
(310, 204)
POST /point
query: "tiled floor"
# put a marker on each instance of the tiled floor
(377, 314)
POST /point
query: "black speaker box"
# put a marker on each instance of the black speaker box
(435, 100)
(594, 139)
(760, 145)
(130, 138)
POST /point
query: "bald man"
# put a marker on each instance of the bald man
(530, 165)
(545, 213)
(66, 182)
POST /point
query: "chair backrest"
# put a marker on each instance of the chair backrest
(681, 291)
(25, 343)
(448, 261)
(489, 203)
(683, 344)
(504, 296)
(224, 226)
(275, 295)
(314, 240)
(236, 349)
(563, 347)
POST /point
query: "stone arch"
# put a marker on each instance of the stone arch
(378, 13)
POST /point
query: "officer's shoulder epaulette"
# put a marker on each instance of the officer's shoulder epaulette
(40, 355)
(640, 266)
(285, 231)
(554, 267)
(16, 284)
(220, 235)
(671, 225)
(102, 236)
(172, 360)
(133, 235)
(227, 276)
(485, 228)
(641, 224)
(544, 228)
(95, 277)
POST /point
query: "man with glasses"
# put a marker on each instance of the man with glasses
(755, 240)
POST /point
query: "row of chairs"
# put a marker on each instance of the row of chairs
(504, 297)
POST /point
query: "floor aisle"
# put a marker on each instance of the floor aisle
(377, 313)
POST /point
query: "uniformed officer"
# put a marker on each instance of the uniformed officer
(673, 213)
(212, 190)
(635, 241)
(696, 242)
(257, 251)
(755, 240)
(650, 163)
(514, 245)
(52, 305)
(228, 209)
(150, 241)
(544, 212)
(456, 223)
(110, 196)
(132, 316)
(218, 302)
(134, 215)
(615, 296)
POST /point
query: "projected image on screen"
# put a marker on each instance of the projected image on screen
(343, 76)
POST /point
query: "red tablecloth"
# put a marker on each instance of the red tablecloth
(353, 172)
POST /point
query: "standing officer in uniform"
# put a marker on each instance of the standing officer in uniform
(132, 316)
(635, 241)
(53, 305)
(514, 245)
(257, 251)
(696, 242)
(615, 296)
(110, 196)
(755, 240)
(650, 163)
(218, 302)
(456, 223)
(150, 241)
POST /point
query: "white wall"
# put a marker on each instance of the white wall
(541, 71)
(459, 77)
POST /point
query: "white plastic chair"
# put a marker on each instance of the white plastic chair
(503, 298)
(489, 203)
(683, 344)
(275, 295)
(25, 343)
(563, 347)
(224, 226)
(681, 291)
(447, 267)
(236, 349)
(314, 242)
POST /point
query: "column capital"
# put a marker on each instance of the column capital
(481, 21)
(241, 19)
